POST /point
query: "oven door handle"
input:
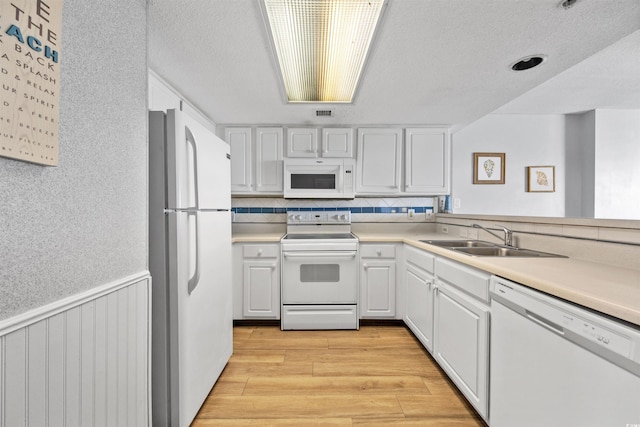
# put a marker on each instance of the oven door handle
(334, 254)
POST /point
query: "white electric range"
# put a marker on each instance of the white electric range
(319, 271)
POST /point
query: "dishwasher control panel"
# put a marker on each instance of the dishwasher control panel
(568, 320)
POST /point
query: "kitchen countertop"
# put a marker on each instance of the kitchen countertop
(611, 290)
(269, 237)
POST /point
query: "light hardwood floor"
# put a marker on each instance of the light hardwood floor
(377, 376)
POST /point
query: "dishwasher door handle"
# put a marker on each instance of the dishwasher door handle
(545, 323)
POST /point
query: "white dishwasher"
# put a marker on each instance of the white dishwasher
(556, 364)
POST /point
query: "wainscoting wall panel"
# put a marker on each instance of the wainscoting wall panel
(83, 361)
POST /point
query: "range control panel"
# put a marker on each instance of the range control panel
(319, 217)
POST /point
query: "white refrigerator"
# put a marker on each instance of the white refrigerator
(190, 264)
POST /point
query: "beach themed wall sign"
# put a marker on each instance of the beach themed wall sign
(488, 168)
(30, 58)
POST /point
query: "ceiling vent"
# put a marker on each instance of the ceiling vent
(324, 113)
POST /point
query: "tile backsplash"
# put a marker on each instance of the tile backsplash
(273, 210)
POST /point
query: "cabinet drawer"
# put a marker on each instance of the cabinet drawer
(471, 280)
(420, 258)
(261, 251)
(377, 251)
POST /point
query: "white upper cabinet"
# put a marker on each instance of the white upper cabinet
(427, 158)
(302, 142)
(256, 168)
(335, 142)
(239, 140)
(269, 161)
(379, 161)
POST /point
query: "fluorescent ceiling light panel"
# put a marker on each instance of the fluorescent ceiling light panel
(322, 45)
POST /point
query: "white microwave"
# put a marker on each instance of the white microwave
(319, 178)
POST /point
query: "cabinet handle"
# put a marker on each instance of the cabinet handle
(259, 252)
(273, 266)
(379, 252)
(365, 266)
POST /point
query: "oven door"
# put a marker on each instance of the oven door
(319, 277)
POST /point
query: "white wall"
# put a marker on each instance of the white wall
(617, 164)
(527, 140)
(82, 224)
(580, 164)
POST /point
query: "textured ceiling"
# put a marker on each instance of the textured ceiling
(434, 62)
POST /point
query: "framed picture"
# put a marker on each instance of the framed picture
(488, 168)
(541, 179)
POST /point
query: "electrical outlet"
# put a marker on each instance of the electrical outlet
(411, 213)
(429, 216)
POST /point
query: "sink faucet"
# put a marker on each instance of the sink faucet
(508, 234)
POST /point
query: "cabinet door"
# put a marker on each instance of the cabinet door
(379, 161)
(461, 343)
(302, 142)
(427, 161)
(261, 289)
(378, 289)
(239, 140)
(269, 160)
(337, 142)
(419, 306)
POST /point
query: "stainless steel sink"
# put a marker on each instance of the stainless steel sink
(501, 251)
(460, 243)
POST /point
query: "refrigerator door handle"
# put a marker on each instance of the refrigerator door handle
(191, 140)
(195, 279)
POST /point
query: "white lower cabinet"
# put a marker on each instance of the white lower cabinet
(461, 329)
(377, 281)
(257, 281)
(419, 288)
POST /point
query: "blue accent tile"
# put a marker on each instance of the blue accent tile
(330, 209)
(268, 210)
(305, 209)
(280, 210)
(367, 210)
(344, 209)
(255, 210)
(242, 210)
(419, 209)
(356, 210)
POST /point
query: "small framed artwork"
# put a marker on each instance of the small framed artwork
(488, 168)
(541, 179)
